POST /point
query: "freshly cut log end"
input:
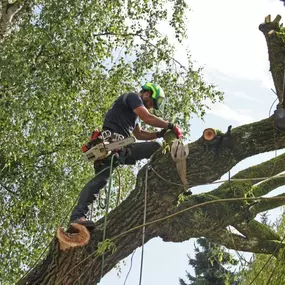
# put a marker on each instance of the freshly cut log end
(209, 134)
(77, 235)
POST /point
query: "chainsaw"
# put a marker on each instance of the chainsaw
(106, 143)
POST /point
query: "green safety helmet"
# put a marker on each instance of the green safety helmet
(157, 95)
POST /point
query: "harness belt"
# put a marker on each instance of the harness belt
(103, 144)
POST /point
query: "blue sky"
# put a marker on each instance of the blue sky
(223, 38)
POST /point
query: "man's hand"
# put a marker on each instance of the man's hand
(176, 130)
(161, 133)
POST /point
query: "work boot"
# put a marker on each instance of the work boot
(87, 223)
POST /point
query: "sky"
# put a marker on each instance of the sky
(224, 38)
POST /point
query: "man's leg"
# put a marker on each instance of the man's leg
(87, 195)
(140, 151)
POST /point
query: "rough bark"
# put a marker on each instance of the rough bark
(205, 164)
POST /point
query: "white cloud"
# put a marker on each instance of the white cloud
(225, 112)
(224, 35)
(242, 95)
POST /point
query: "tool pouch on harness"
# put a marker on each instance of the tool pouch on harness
(94, 139)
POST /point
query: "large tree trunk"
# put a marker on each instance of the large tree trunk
(205, 164)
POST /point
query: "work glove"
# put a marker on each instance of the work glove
(161, 133)
(176, 130)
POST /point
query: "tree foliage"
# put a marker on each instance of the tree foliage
(266, 269)
(210, 265)
(62, 65)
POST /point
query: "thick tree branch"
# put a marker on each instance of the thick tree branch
(255, 174)
(254, 229)
(274, 35)
(268, 185)
(237, 242)
(262, 206)
(248, 140)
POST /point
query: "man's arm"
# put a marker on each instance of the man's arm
(150, 119)
(154, 121)
(144, 135)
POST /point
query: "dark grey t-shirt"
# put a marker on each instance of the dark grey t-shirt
(121, 118)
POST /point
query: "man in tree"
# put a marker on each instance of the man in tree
(122, 119)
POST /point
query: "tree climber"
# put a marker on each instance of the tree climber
(122, 119)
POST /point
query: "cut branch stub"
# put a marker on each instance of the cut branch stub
(78, 236)
(209, 134)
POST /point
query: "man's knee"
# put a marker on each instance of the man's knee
(156, 146)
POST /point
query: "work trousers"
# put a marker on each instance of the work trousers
(127, 156)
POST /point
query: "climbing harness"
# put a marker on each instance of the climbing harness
(179, 153)
(102, 144)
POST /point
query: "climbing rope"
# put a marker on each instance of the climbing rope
(102, 204)
(144, 221)
(219, 181)
(91, 211)
(106, 212)
(130, 267)
(119, 189)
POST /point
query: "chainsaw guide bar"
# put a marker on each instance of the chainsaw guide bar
(103, 149)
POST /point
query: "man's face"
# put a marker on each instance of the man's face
(147, 100)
